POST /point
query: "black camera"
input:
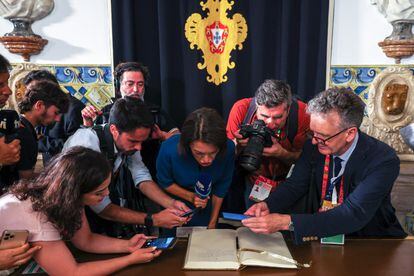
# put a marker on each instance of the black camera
(9, 124)
(260, 136)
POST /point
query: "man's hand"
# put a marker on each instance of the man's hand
(179, 207)
(268, 224)
(158, 134)
(89, 115)
(276, 150)
(239, 139)
(9, 153)
(258, 210)
(16, 256)
(168, 219)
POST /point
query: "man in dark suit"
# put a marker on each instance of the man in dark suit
(349, 174)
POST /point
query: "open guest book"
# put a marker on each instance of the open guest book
(226, 249)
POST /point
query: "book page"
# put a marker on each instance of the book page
(273, 243)
(213, 249)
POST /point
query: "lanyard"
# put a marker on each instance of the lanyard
(331, 186)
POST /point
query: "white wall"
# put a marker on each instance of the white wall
(79, 32)
(357, 29)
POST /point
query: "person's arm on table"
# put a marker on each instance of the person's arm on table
(165, 218)
(56, 258)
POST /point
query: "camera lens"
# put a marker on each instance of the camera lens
(251, 157)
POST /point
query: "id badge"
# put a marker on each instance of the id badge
(260, 191)
(338, 240)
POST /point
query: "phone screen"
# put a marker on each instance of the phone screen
(161, 243)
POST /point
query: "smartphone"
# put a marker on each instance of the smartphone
(161, 243)
(188, 213)
(234, 216)
(13, 238)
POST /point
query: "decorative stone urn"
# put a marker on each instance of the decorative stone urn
(400, 14)
(22, 13)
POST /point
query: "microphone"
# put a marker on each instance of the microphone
(203, 186)
(9, 124)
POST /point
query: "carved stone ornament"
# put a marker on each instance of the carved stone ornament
(390, 107)
(22, 13)
(400, 14)
(15, 82)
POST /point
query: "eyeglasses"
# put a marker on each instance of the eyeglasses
(322, 141)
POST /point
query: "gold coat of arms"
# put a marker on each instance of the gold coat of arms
(216, 36)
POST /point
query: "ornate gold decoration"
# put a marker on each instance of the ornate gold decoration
(384, 125)
(216, 36)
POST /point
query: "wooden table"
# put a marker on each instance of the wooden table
(357, 257)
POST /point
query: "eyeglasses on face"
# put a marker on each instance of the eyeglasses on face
(322, 141)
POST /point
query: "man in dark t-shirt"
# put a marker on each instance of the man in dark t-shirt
(55, 135)
(42, 104)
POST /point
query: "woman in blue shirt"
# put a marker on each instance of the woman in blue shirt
(202, 151)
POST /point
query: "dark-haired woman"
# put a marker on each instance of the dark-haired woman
(51, 208)
(201, 152)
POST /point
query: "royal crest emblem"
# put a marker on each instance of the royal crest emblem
(216, 36)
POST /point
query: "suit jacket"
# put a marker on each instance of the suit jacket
(368, 179)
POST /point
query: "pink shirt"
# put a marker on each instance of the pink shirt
(19, 215)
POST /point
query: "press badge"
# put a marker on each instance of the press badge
(261, 189)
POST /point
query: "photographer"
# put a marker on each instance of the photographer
(283, 128)
(131, 80)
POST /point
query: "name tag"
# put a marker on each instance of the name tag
(261, 190)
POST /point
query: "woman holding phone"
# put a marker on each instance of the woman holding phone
(51, 208)
(200, 157)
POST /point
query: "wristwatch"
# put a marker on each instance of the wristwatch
(291, 227)
(148, 221)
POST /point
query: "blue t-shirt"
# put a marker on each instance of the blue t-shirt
(184, 170)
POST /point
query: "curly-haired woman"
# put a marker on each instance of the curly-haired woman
(51, 208)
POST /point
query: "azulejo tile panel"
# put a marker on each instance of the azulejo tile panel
(357, 78)
(90, 84)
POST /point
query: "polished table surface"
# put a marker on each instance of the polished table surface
(356, 257)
